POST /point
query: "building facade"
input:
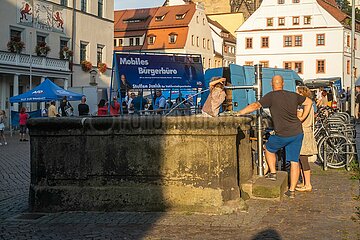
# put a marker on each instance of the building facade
(311, 37)
(224, 45)
(49, 39)
(168, 29)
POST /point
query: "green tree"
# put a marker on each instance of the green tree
(345, 6)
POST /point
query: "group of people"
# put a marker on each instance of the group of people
(292, 115)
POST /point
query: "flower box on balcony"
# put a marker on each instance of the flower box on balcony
(15, 45)
(86, 66)
(42, 49)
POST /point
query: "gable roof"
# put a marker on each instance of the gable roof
(171, 16)
(133, 19)
(331, 7)
(230, 37)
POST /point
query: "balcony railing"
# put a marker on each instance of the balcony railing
(23, 60)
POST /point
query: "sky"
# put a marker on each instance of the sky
(130, 4)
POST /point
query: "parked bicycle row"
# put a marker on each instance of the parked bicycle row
(335, 136)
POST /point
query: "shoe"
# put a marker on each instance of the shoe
(300, 185)
(290, 194)
(25, 140)
(21, 140)
(304, 189)
(271, 176)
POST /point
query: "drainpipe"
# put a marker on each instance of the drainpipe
(73, 42)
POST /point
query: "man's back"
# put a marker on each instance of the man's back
(283, 107)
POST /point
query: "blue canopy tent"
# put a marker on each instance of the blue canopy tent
(45, 92)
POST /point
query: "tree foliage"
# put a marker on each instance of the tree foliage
(345, 6)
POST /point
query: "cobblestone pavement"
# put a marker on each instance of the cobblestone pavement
(329, 212)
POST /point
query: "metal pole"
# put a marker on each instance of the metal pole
(258, 92)
(352, 94)
(30, 51)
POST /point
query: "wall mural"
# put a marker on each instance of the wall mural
(41, 15)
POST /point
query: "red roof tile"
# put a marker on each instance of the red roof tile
(162, 38)
(331, 7)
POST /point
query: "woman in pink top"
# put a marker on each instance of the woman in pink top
(102, 108)
(23, 117)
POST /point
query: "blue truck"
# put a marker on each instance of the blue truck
(237, 75)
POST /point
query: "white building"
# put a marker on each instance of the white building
(311, 37)
(86, 30)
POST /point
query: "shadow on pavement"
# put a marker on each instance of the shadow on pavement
(267, 234)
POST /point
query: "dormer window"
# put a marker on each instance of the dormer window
(180, 16)
(172, 37)
(151, 39)
(159, 18)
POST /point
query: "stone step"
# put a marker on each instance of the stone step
(259, 187)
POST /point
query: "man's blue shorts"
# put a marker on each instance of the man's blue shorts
(292, 146)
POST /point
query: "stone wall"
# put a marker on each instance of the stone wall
(191, 164)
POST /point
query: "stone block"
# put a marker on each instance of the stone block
(264, 188)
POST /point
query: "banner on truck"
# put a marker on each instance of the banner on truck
(160, 71)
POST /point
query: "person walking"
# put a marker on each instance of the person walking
(52, 110)
(83, 108)
(2, 127)
(309, 146)
(23, 117)
(288, 131)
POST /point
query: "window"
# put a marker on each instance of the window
(288, 65)
(40, 39)
(320, 39)
(197, 19)
(63, 43)
(204, 43)
(64, 2)
(137, 41)
(159, 18)
(99, 53)
(348, 67)
(100, 8)
(197, 41)
(348, 40)
(355, 43)
(298, 41)
(180, 16)
(172, 38)
(320, 66)
(121, 42)
(83, 5)
(83, 47)
(264, 42)
(115, 42)
(208, 44)
(192, 40)
(307, 20)
(281, 1)
(298, 67)
(355, 72)
(131, 42)
(281, 21)
(249, 63)
(248, 43)
(296, 20)
(151, 40)
(296, 1)
(203, 21)
(287, 41)
(225, 49)
(15, 34)
(209, 63)
(269, 22)
(264, 64)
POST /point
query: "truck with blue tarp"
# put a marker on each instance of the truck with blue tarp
(237, 75)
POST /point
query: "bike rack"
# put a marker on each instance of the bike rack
(257, 87)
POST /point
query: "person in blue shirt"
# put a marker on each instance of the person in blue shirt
(160, 102)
